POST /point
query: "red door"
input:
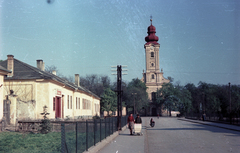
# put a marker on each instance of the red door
(58, 107)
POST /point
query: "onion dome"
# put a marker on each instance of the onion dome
(151, 38)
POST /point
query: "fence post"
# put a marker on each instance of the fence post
(86, 135)
(76, 137)
(100, 130)
(105, 128)
(116, 127)
(94, 132)
(62, 138)
(112, 125)
(109, 124)
(3, 123)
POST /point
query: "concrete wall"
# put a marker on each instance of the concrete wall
(22, 99)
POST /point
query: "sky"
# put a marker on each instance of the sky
(199, 40)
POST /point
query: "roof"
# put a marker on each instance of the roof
(23, 71)
(4, 69)
(151, 38)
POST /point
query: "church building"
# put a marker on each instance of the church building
(152, 77)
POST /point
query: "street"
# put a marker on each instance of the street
(171, 135)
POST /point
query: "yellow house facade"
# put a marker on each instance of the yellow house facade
(3, 72)
(28, 89)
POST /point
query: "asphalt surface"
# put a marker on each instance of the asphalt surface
(171, 135)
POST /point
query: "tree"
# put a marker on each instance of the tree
(136, 92)
(45, 124)
(167, 97)
(52, 68)
(210, 99)
(108, 101)
(235, 99)
(195, 100)
(95, 83)
(184, 104)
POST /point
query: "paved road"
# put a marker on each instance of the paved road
(171, 135)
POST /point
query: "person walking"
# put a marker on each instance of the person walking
(130, 121)
(138, 119)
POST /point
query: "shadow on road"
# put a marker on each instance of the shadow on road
(213, 129)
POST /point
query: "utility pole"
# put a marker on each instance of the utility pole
(230, 96)
(119, 95)
(230, 103)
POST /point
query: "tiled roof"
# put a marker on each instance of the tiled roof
(23, 71)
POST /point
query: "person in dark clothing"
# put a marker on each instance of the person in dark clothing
(130, 121)
(152, 123)
(138, 119)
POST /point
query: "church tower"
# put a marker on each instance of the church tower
(152, 77)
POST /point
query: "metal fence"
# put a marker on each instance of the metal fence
(80, 136)
(216, 118)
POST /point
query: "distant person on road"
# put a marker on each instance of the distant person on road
(152, 123)
(138, 119)
(204, 117)
(130, 121)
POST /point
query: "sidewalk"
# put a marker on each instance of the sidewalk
(123, 142)
(216, 124)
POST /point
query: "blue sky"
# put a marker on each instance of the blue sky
(199, 40)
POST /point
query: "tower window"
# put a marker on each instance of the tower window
(152, 64)
(152, 54)
(152, 76)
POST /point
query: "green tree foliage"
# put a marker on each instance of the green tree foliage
(136, 91)
(173, 98)
(214, 100)
(167, 97)
(108, 100)
(184, 104)
(210, 100)
(235, 99)
(195, 100)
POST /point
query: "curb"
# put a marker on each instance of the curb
(104, 142)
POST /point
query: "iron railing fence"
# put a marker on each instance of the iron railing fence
(73, 136)
(234, 119)
(80, 136)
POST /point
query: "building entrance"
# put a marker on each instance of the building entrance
(58, 107)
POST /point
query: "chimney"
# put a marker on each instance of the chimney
(40, 65)
(54, 72)
(77, 80)
(10, 65)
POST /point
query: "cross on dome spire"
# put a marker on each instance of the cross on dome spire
(151, 19)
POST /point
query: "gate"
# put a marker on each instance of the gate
(6, 111)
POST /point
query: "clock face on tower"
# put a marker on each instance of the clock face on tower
(151, 47)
